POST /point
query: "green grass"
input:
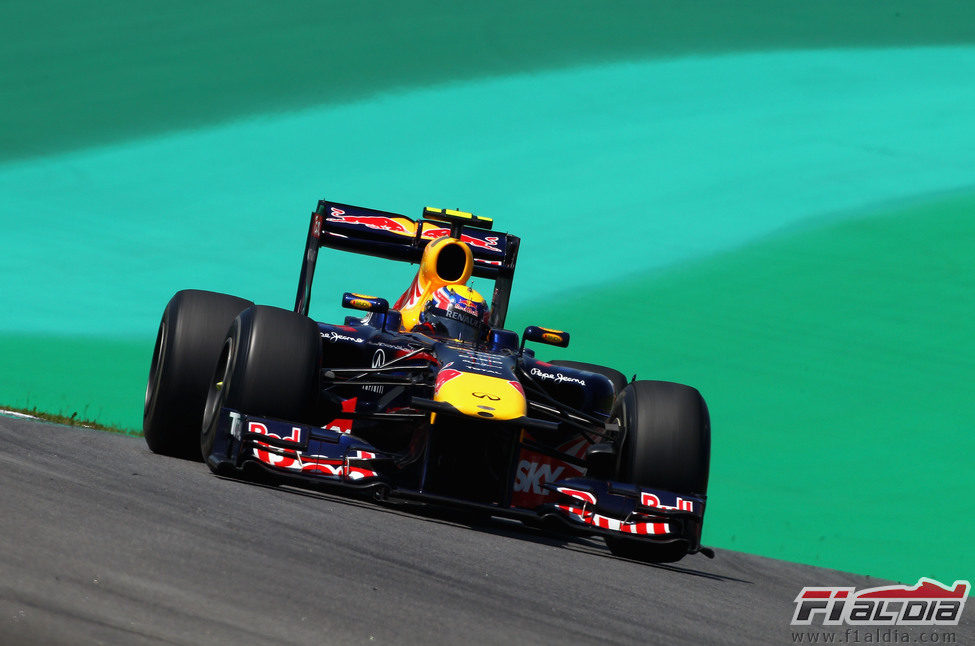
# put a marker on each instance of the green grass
(100, 380)
(837, 364)
(704, 154)
(77, 73)
(68, 420)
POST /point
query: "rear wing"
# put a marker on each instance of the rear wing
(397, 237)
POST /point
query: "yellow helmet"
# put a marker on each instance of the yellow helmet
(456, 312)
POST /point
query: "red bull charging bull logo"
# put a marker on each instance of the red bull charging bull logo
(405, 226)
(489, 243)
(377, 222)
(469, 306)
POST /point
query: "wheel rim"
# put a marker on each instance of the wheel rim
(216, 394)
(155, 368)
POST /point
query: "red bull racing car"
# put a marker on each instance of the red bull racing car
(430, 399)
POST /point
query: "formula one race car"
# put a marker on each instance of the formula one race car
(432, 399)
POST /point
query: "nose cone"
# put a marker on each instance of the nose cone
(480, 395)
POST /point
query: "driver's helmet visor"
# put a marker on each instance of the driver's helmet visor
(454, 323)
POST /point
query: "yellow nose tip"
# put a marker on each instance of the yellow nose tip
(482, 396)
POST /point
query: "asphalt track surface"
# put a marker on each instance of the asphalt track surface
(104, 542)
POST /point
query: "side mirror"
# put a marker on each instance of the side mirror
(365, 303)
(538, 334)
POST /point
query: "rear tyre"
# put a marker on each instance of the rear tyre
(268, 367)
(193, 327)
(615, 376)
(667, 446)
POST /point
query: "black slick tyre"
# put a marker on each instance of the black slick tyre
(267, 367)
(667, 445)
(191, 333)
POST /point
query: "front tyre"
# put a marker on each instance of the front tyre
(667, 445)
(193, 327)
(268, 367)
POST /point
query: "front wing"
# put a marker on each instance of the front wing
(330, 457)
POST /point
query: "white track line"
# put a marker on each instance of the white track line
(13, 413)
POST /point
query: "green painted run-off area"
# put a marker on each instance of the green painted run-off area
(770, 201)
